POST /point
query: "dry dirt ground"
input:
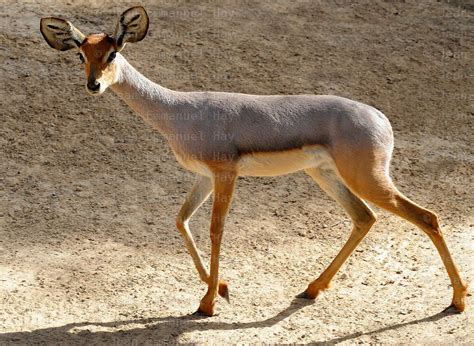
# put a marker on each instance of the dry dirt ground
(88, 247)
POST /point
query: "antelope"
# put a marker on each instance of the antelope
(345, 146)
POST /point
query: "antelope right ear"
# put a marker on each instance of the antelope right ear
(60, 33)
(132, 26)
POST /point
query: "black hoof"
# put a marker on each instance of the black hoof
(303, 295)
(451, 310)
(200, 313)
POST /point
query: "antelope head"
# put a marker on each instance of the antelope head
(97, 52)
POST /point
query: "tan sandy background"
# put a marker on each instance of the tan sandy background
(89, 253)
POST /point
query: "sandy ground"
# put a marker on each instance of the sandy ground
(88, 248)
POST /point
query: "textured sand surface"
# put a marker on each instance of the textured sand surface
(89, 193)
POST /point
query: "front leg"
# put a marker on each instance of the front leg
(199, 193)
(224, 183)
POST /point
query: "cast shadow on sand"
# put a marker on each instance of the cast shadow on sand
(166, 330)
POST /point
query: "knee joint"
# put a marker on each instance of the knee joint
(180, 222)
(363, 224)
(366, 221)
(431, 224)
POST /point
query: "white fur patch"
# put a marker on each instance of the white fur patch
(283, 162)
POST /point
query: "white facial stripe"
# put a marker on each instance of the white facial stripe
(106, 56)
(83, 55)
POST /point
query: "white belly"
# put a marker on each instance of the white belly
(262, 164)
(282, 162)
(195, 166)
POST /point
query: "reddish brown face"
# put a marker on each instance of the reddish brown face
(97, 52)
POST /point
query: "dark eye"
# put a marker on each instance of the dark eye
(81, 58)
(111, 57)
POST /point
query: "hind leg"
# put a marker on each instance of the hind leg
(376, 186)
(362, 217)
(428, 222)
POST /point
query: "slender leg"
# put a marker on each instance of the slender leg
(224, 183)
(362, 217)
(374, 185)
(199, 193)
(428, 222)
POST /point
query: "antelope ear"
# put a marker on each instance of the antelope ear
(132, 26)
(60, 33)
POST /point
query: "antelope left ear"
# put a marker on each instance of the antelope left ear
(60, 33)
(132, 26)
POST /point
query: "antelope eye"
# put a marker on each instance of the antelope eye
(111, 57)
(81, 57)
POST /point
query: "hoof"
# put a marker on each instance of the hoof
(303, 295)
(452, 309)
(309, 295)
(204, 313)
(200, 313)
(206, 307)
(224, 290)
(459, 300)
(458, 305)
(311, 292)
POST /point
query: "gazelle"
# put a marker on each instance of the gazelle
(343, 145)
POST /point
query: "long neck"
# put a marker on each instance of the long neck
(151, 101)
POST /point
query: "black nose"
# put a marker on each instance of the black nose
(93, 85)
